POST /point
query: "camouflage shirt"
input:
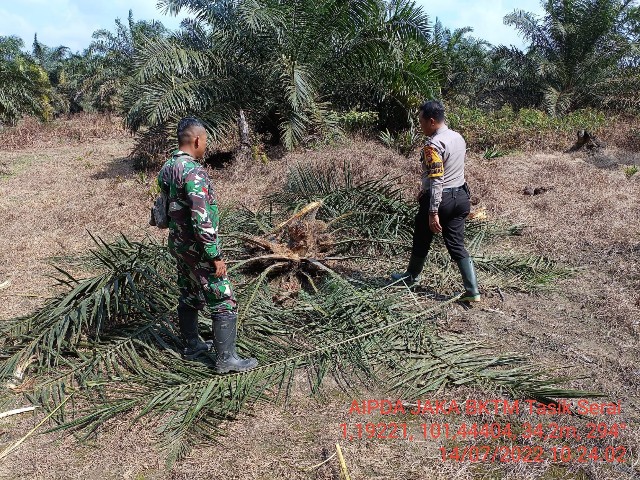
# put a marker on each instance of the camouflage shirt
(193, 211)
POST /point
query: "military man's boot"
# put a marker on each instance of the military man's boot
(224, 342)
(188, 323)
(412, 275)
(471, 292)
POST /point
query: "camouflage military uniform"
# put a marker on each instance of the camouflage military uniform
(193, 234)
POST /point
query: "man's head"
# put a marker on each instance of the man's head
(192, 137)
(431, 117)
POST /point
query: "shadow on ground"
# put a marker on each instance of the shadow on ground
(116, 168)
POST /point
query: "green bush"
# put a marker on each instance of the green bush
(630, 171)
(357, 122)
(402, 142)
(525, 129)
(493, 152)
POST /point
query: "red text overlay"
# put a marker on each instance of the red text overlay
(481, 407)
(533, 454)
(468, 431)
(543, 436)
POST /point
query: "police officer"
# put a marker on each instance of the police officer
(194, 242)
(444, 200)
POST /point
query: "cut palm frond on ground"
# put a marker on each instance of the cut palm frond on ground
(324, 219)
(110, 340)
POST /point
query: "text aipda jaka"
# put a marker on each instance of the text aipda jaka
(493, 406)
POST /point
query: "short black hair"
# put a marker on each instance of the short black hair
(184, 128)
(432, 109)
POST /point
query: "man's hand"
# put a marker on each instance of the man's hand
(434, 223)
(221, 268)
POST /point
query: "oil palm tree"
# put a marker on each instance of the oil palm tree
(578, 53)
(465, 63)
(283, 63)
(24, 85)
(111, 54)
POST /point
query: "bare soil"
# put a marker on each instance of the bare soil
(587, 329)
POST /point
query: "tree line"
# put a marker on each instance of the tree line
(300, 69)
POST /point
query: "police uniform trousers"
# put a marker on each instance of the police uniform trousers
(452, 212)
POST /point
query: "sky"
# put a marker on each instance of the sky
(71, 22)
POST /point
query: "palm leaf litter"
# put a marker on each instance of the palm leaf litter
(302, 265)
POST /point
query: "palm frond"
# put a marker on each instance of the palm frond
(359, 340)
(110, 341)
(370, 213)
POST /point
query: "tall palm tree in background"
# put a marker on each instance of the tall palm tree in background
(286, 64)
(95, 79)
(111, 55)
(64, 70)
(294, 67)
(465, 62)
(24, 85)
(578, 54)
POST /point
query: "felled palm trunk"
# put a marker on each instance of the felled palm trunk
(588, 141)
(300, 239)
(243, 132)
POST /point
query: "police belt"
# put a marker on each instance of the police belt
(454, 189)
(450, 189)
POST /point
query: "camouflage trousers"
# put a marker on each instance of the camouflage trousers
(197, 281)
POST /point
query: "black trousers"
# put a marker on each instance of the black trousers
(453, 210)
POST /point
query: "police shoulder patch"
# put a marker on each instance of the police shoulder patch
(433, 161)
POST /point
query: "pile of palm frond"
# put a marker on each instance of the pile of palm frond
(110, 340)
(324, 219)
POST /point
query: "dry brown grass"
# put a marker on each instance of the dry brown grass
(587, 328)
(247, 181)
(48, 202)
(590, 219)
(624, 133)
(77, 129)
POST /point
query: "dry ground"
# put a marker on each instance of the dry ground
(587, 328)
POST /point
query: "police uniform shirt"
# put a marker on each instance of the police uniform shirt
(442, 160)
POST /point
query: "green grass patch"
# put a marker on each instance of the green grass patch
(630, 171)
(16, 166)
(502, 130)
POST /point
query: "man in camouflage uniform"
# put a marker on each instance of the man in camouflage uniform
(444, 200)
(194, 242)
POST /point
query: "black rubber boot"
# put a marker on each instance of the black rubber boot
(471, 292)
(188, 323)
(224, 342)
(412, 275)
